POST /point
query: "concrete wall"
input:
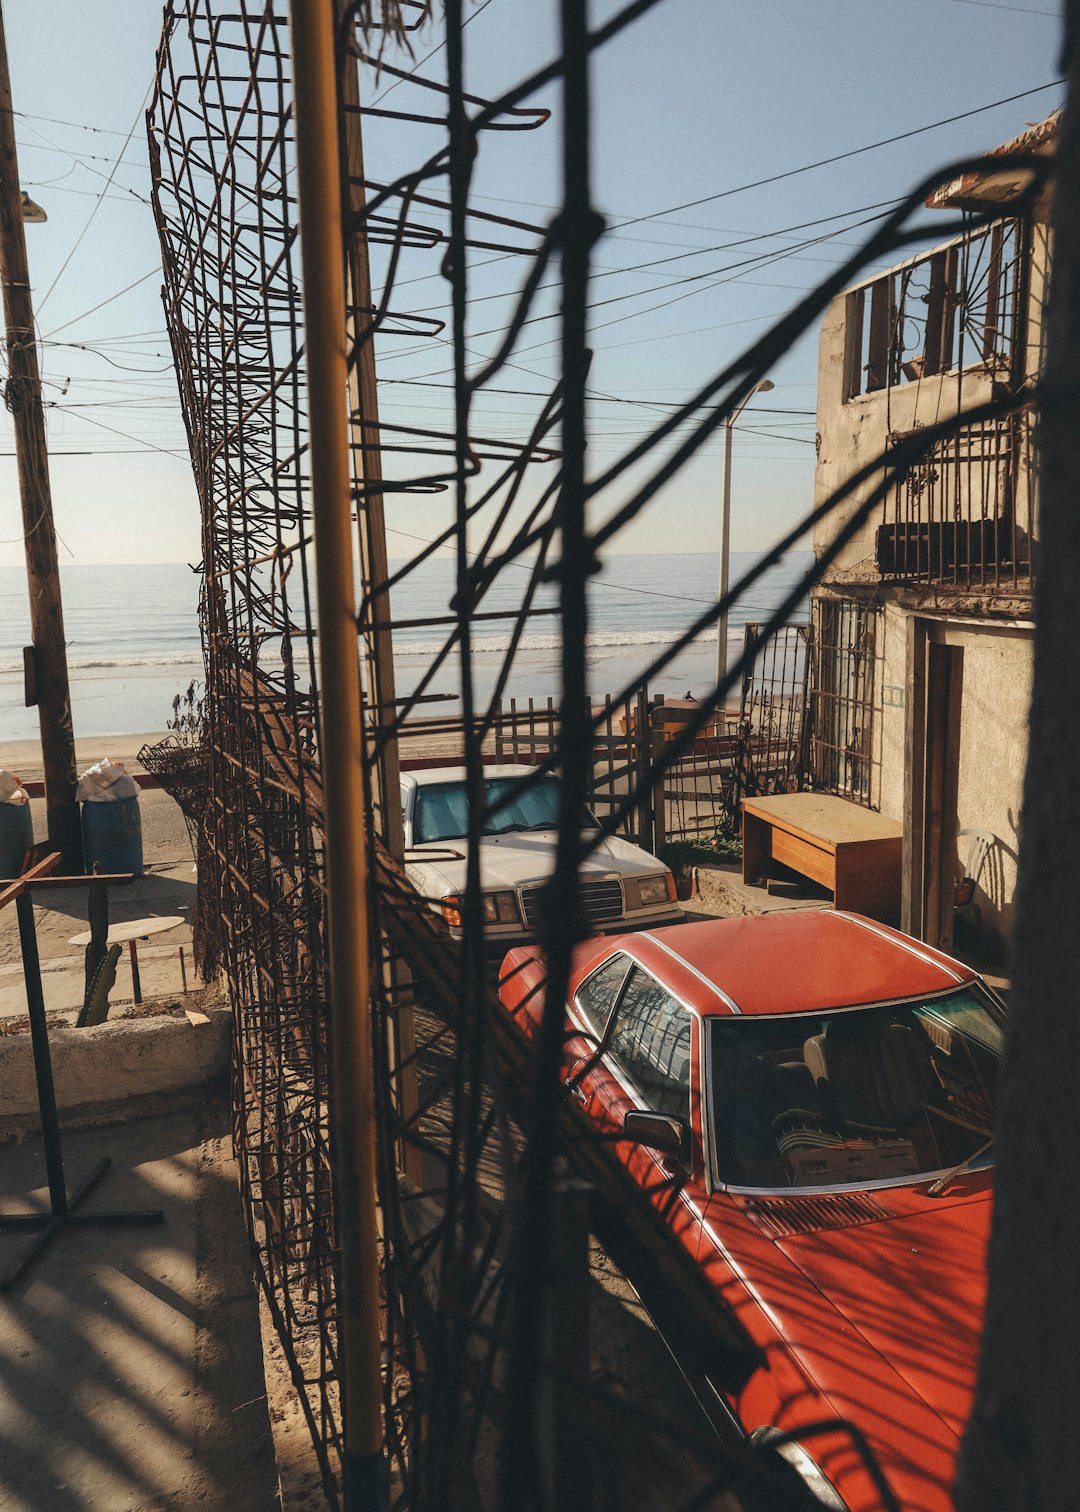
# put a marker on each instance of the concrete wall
(993, 754)
(121, 1066)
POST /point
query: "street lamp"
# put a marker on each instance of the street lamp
(725, 530)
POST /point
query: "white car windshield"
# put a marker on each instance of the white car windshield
(441, 810)
(854, 1095)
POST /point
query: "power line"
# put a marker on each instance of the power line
(1020, 10)
(656, 262)
(25, 115)
(428, 56)
(840, 157)
(154, 272)
(97, 206)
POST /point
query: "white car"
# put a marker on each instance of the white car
(622, 886)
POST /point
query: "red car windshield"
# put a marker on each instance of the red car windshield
(853, 1095)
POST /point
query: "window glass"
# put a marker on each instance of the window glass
(595, 996)
(651, 1045)
(442, 811)
(862, 1095)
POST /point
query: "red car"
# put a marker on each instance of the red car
(819, 1090)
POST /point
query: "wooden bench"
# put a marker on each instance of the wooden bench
(851, 850)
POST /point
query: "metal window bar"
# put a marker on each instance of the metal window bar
(771, 740)
(844, 758)
(960, 306)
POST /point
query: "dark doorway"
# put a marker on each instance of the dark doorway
(936, 691)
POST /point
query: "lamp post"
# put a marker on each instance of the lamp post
(725, 530)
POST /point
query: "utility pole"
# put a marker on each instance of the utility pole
(366, 436)
(23, 398)
(764, 387)
(318, 185)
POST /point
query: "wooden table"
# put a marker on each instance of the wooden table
(841, 845)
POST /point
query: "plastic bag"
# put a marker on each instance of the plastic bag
(106, 782)
(11, 788)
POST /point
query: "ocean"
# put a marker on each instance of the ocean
(133, 634)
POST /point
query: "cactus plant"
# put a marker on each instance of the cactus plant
(95, 1008)
(97, 952)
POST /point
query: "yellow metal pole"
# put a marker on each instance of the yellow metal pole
(353, 1110)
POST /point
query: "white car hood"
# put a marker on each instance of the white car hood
(518, 859)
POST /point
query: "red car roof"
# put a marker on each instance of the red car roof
(797, 961)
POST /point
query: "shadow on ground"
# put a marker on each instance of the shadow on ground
(130, 1362)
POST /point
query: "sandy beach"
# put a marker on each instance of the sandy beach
(24, 756)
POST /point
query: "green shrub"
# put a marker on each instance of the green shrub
(721, 846)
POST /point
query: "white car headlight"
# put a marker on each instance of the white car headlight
(805, 1466)
(654, 890)
(501, 908)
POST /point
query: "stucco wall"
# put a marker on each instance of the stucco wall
(892, 711)
(993, 754)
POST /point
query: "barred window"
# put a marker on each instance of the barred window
(843, 753)
(957, 307)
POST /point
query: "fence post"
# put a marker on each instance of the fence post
(659, 794)
(638, 743)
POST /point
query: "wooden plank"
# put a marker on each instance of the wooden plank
(89, 879)
(818, 862)
(18, 885)
(868, 879)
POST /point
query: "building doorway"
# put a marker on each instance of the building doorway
(936, 681)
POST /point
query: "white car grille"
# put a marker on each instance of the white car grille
(602, 901)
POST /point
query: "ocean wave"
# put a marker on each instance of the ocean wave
(404, 650)
(599, 640)
(119, 661)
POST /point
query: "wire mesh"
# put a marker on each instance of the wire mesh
(476, 1138)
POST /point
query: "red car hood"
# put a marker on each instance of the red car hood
(914, 1287)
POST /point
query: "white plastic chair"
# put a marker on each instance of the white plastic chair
(967, 913)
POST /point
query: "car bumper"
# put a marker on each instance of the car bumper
(496, 944)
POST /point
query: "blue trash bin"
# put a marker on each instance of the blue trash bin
(16, 837)
(112, 835)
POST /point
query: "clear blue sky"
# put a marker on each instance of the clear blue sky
(699, 98)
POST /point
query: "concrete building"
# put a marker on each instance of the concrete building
(922, 624)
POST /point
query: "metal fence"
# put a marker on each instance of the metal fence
(477, 1215)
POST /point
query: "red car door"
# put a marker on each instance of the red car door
(649, 1062)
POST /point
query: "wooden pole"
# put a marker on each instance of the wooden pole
(384, 774)
(318, 179)
(23, 396)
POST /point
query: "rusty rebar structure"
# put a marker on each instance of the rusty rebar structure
(478, 1217)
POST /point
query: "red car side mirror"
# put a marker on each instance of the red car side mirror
(657, 1131)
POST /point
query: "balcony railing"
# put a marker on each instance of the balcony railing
(962, 517)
